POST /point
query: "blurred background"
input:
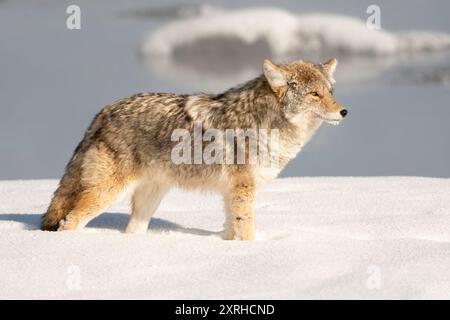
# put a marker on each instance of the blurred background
(395, 81)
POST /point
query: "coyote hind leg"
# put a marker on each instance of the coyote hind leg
(146, 199)
(90, 203)
(102, 180)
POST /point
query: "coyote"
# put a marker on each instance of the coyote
(129, 143)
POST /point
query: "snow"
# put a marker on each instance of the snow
(383, 237)
(286, 33)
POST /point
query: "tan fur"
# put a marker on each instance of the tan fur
(99, 181)
(240, 221)
(129, 142)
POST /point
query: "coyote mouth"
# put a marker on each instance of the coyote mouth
(334, 122)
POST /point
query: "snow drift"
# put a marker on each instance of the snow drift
(317, 238)
(286, 33)
(219, 48)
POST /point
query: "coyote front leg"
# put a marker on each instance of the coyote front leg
(146, 199)
(240, 222)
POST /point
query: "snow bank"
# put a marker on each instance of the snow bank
(317, 238)
(276, 26)
(287, 33)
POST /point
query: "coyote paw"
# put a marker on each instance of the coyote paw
(69, 223)
(228, 233)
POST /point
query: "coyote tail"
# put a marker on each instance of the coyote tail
(69, 188)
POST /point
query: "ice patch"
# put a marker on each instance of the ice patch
(175, 11)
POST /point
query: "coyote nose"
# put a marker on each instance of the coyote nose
(343, 112)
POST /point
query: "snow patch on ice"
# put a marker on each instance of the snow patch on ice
(287, 33)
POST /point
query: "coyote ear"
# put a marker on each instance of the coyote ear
(276, 77)
(329, 68)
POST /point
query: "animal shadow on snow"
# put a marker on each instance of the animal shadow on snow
(113, 221)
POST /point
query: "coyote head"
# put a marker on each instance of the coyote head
(305, 88)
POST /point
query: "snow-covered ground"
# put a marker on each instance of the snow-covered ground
(317, 238)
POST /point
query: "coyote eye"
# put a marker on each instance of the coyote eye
(314, 94)
(292, 84)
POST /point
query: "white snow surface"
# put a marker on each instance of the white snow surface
(286, 32)
(383, 237)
